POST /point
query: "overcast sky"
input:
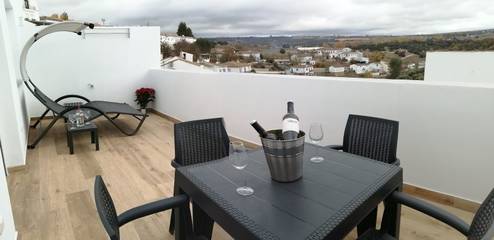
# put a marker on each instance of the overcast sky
(297, 17)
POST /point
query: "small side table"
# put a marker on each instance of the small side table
(88, 127)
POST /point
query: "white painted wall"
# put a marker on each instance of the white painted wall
(459, 67)
(9, 232)
(12, 131)
(114, 63)
(446, 131)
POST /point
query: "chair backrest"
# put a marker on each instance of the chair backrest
(200, 141)
(106, 209)
(483, 219)
(48, 102)
(371, 137)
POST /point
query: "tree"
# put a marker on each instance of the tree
(204, 45)
(188, 32)
(166, 50)
(183, 30)
(54, 16)
(395, 68)
(64, 16)
(184, 46)
(282, 51)
(228, 55)
(322, 64)
(376, 56)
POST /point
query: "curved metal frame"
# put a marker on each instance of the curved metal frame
(75, 27)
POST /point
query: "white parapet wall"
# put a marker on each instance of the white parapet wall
(470, 67)
(107, 63)
(446, 130)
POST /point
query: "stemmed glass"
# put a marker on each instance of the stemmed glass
(238, 157)
(316, 135)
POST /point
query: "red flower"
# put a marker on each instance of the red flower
(144, 96)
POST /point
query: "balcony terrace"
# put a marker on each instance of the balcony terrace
(445, 136)
(53, 196)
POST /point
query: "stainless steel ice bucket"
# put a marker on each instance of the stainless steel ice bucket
(284, 157)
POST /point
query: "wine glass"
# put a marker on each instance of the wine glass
(238, 157)
(316, 134)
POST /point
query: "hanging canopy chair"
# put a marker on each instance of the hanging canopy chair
(94, 109)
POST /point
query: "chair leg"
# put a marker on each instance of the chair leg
(183, 221)
(38, 139)
(171, 228)
(116, 116)
(39, 119)
(131, 133)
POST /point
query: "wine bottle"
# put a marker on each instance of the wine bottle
(291, 126)
(262, 132)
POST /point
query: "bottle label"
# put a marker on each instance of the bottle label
(291, 124)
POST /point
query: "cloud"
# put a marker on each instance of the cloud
(261, 17)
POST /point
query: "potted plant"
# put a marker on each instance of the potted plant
(144, 96)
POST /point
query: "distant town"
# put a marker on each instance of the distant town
(385, 57)
(389, 57)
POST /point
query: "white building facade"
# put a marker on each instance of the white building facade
(171, 38)
(31, 10)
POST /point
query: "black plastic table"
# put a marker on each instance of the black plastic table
(87, 127)
(330, 200)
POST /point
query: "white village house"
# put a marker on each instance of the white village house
(250, 54)
(302, 70)
(172, 38)
(372, 67)
(336, 69)
(236, 67)
(185, 62)
(31, 10)
(282, 61)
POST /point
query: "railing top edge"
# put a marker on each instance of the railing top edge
(343, 79)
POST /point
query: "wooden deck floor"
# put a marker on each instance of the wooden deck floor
(53, 196)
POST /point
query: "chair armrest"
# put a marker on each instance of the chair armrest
(71, 96)
(175, 164)
(432, 211)
(152, 208)
(335, 147)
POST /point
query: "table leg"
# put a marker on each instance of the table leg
(71, 143)
(67, 136)
(96, 140)
(92, 136)
(392, 217)
(203, 224)
(369, 222)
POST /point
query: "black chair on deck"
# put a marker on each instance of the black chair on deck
(481, 228)
(112, 222)
(371, 137)
(199, 141)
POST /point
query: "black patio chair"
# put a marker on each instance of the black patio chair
(371, 137)
(481, 228)
(112, 222)
(197, 142)
(95, 108)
